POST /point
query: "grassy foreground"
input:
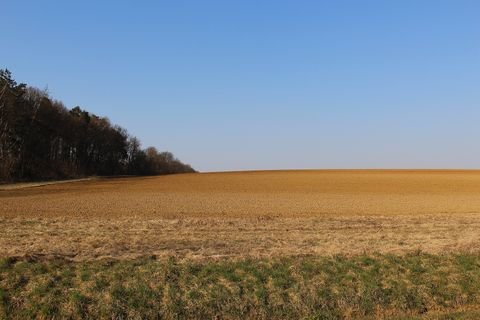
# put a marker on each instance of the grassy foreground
(376, 286)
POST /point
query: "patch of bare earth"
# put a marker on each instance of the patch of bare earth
(248, 214)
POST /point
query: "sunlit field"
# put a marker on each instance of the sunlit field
(254, 214)
(266, 244)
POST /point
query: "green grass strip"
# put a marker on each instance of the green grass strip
(416, 286)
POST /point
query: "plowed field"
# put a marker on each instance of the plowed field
(242, 214)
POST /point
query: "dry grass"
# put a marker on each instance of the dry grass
(256, 214)
(194, 238)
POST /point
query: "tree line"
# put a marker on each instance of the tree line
(41, 139)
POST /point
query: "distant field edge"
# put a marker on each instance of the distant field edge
(346, 170)
(377, 286)
(32, 184)
(23, 185)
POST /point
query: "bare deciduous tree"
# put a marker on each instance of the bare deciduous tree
(41, 139)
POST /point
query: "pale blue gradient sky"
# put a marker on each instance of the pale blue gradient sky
(231, 85)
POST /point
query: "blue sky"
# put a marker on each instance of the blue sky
(232, 85)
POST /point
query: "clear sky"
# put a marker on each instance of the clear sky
(244, 84)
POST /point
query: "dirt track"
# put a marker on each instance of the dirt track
(248, 213)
